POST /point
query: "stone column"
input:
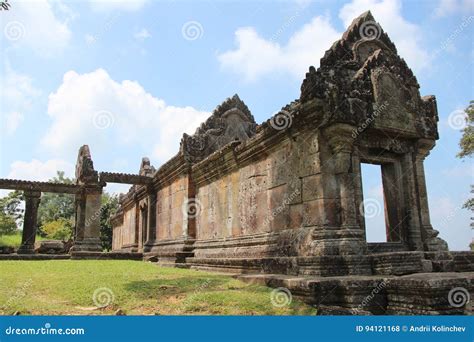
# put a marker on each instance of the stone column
(350, 235)
(32, 200)
(88, 223)
(429, 235)
(151, 233)
(80, 204)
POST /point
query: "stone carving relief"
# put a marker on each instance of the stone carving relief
(146, 169)
(230, 121)
(357, 75)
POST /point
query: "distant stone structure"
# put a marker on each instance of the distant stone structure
(282, 202)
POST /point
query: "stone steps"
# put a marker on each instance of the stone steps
(423, 293)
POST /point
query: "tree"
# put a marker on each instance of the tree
(7, 224)
(110, 204)
(467, 149)
(54, 207)
(11, 213)
(11, 205)
(467, 139)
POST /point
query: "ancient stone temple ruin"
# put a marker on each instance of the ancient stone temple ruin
(286, 195)
(281, 202)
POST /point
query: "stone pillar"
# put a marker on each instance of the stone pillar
(350, 236)
(151, 231)
(32, 200)
(88, 221)
(88, 205)
(430, 238)
(80, 205)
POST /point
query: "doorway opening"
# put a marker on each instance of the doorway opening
(380, 206)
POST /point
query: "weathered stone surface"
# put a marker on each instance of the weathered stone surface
(50, 247)
(7, 250)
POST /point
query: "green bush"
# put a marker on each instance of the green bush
(60, 229)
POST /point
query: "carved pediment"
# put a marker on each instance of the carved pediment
(361, 72)
(229, 122)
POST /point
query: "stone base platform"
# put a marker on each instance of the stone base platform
(15, 256)
(106, 255)
(422, 293)
(317, 265)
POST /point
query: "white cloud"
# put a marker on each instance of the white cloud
(39, 171)
(142, 34)
(18, 95)
(256, 57)
(35, 25)
(119, 5)
(406, 36)
(94, 109)
(449, 7)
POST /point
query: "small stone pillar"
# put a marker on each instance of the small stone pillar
(88, 205)
(151, 229)
(30, 223)
(87, 236)
(429, 235)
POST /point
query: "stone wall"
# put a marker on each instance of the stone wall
(171, 219)
(286, 195)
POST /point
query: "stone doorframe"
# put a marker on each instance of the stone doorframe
(405, 198)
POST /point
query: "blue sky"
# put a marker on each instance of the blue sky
(128, 78)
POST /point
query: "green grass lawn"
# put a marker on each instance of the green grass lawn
(67, 287)
(14, 240)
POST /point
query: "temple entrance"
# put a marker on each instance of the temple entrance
(381, 207)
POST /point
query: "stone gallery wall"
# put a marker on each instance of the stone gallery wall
(286, 195)
(171, 220)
